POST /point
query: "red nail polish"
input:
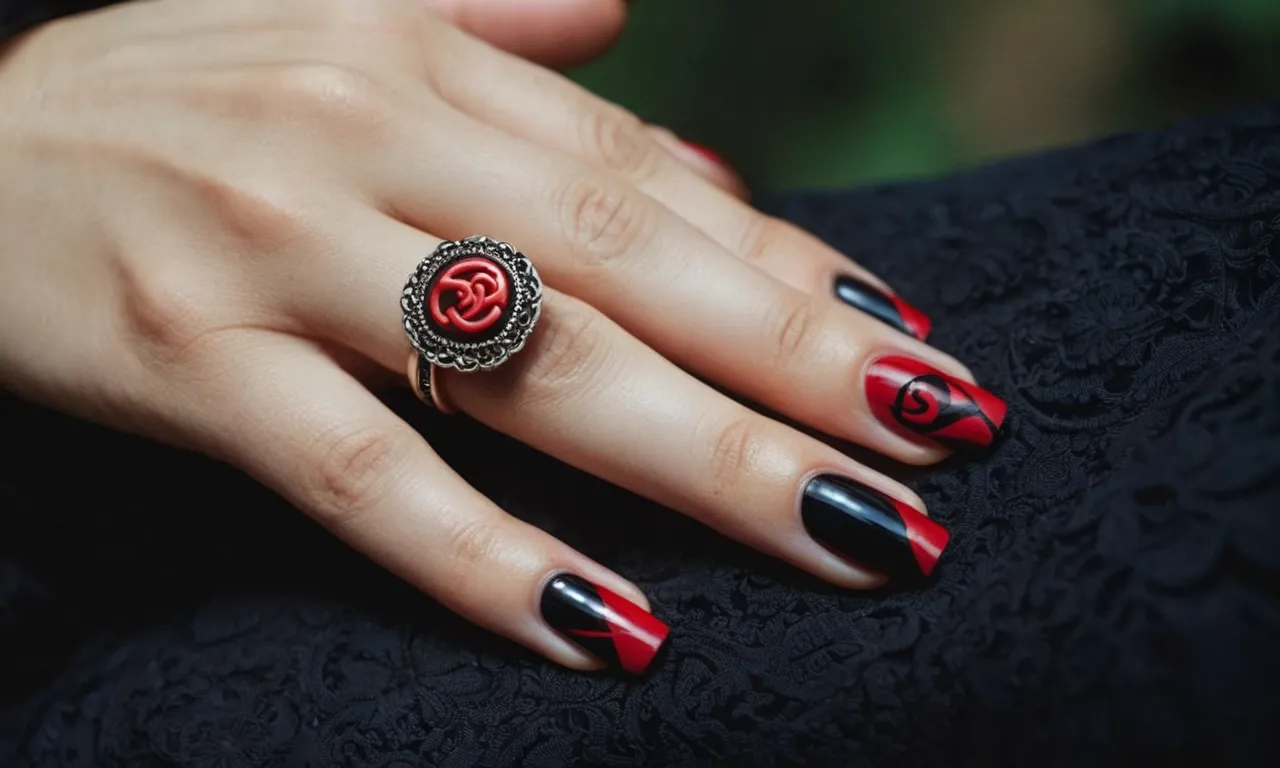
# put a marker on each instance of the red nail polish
(888, 308)
(707, 154)
(606, 624)
(916, 322)
(865, 525)
(921, 402)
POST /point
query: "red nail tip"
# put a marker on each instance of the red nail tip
(918, 323)
(871, 528)
(707, 153)
(927, 538)
(603, 622)
(640, 635)
(920, 401)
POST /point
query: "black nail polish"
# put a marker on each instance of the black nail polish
(869, 527)
(604, 623)
(889, 309)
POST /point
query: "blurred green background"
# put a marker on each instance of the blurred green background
(816, 93)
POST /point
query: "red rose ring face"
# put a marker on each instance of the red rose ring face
(471, 304)
(470, 295)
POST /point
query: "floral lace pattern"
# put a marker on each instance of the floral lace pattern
(1112, 590)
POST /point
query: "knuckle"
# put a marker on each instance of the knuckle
(473, 542)
(162, 308)
(258, 215)
(792, 329)
(760, 239)
(735, 450)
(355, 469)
(618, 141)
(333, 97)
(605, 223)
(570, 353)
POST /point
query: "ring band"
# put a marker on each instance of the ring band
(422, 379)
(470, 305)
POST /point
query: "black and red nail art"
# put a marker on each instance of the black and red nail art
(607, 625)
(918, 400)
(876, 530)
(889, 309)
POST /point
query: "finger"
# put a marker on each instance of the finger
(701, 160)
(594, 236)
(554, 33)
(314, 434)
(587, 392)
(546, 108)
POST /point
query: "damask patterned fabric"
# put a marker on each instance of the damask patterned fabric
(1111, 594)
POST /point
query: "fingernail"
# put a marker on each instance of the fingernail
(611, 627)
(923, 403)
(890, 309)
(712, 167)
(865, 525)
(707, 154)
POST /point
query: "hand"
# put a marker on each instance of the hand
(210, 211)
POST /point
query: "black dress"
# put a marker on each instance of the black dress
(1111, 595)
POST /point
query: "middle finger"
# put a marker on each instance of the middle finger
(595, 236)
(549, 109)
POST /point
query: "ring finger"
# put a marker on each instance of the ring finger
(596, 237)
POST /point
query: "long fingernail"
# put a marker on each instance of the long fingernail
(923, 403)
(890, 309)
(865, 525)
(607, 625)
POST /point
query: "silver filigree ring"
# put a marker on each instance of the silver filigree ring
(469, 306)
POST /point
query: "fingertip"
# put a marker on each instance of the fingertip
(874, 528)
(703, 161)
(915, 454)
(602, 622)
(555, 648)
(555, 33)
(847, 574)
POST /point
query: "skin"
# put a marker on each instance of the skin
(554, 33)
(219, 204)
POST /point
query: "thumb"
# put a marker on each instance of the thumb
(554, 33)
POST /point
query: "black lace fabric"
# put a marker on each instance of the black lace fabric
(1111, 595)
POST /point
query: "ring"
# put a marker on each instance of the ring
(470, 306)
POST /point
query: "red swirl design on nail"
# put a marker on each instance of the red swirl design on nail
(480, 289)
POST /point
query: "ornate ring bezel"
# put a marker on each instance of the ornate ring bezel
(522, 313)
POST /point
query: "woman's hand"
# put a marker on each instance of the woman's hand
(210, 210)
